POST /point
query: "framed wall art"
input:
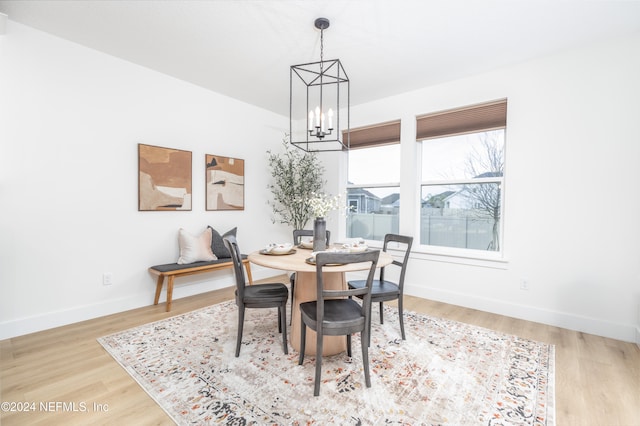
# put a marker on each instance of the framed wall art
(224, 183)
(164, 178)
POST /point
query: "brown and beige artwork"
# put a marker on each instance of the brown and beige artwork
(164, 178)
(224, 183)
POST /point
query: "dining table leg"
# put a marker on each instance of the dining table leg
(305, 290)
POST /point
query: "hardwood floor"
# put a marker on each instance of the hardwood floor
(597, 379)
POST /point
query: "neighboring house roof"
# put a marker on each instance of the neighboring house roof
(390, 199)
(362, 191)
(438, 199)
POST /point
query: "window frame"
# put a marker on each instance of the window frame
(371, 137)
(463, 255)
(459, 251)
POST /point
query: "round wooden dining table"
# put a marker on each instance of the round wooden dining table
(305, 290)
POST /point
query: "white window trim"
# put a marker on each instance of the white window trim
(492, 259)
(373, 185)
(496, 179)
(411, 187)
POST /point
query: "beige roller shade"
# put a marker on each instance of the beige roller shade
(475, 118)
(378, 134)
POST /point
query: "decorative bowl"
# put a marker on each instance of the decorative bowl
(281, 248)
(308, 244)
(357, 247)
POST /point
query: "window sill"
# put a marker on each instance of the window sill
(451, 255)
(464, 257)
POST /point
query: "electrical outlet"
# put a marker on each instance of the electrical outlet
(107, 278)
(524, 284)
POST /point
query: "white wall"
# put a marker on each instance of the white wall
(572, 212)
(71, 119)
(70, 122)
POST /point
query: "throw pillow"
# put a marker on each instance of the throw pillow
(195, 248)
(217, 245)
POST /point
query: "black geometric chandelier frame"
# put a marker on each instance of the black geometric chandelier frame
(318, 116)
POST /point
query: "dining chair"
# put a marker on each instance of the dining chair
(384, 290)
(297, 239)
(299, 233)
(267, 295)
(335, 313)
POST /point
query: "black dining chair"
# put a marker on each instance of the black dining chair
(297, 239)
(329, 316)
(268, 295)
(383, 290)
(299, 233)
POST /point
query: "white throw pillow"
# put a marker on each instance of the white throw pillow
(195, 248)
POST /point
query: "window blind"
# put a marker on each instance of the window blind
(375, 135)
(474, 118)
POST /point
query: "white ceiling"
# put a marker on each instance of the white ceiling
(243, 48)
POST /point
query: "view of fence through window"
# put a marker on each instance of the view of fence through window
(461, 191)
(373, 192)
(460, 196)
(374, 212)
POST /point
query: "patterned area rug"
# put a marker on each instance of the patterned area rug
(446, 372)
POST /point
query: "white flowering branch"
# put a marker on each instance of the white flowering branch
(321, 204)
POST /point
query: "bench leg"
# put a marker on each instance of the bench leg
(158, 289)
(247, 266)
(169, 292)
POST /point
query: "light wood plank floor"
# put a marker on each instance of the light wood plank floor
(597, 379)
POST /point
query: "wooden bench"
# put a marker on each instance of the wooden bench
(174, 270)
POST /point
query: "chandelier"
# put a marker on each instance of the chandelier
(317, 119)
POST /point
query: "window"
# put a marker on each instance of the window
(462, 177)
(373, 188)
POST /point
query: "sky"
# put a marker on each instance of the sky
(442, 158)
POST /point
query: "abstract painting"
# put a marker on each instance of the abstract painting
(224, 183)
(164, 178)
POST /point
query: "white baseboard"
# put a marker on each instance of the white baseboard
(53, 319)
(618, 331)
(48, 320)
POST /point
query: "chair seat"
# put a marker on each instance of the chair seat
(261, 293)
(339, 315)
(380, 291)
